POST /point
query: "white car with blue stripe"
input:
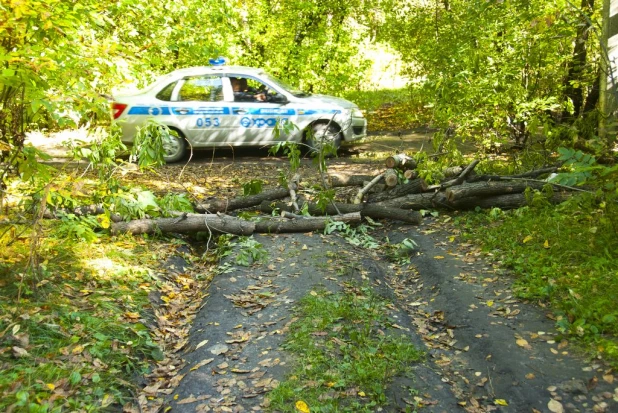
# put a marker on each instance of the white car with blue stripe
(222, 106)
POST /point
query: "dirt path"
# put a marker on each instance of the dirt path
(485, 350)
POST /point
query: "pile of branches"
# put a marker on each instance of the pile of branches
(396, 194)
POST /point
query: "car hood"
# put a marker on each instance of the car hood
(332, 100)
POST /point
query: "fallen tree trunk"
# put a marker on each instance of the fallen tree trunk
(275, 225)
(530, 174)
(400, 161)
(510, 201)
(390, 177)
(413, 187)
(187, 223)
(341, 180)
(418, 201)
(490, 188)
(223, 205)
(367, 210)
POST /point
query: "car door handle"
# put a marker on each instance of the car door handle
(240, 111)
(183, 111)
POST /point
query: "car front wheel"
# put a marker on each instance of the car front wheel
(323, 135)
(175, 147)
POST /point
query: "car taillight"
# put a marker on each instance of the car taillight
(117, 109)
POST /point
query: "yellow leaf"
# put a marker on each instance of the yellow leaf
(438, 257)
(361, 394)
(490, 303)
(302, 407)
(523, 343)
(546, 244)
(500, 402)
(51, 386)
(528, 239)
(104, 221)
(330, 384)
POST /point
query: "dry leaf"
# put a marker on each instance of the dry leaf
(500, 402)
(609, 378)
(530, 376)
(523, 343)
(202, 363)
(201, 344)
(555, 406)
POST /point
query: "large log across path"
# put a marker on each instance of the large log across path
(366, 210)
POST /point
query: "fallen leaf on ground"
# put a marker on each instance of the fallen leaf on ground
(555, 406)
(202, 363)
(523, 343)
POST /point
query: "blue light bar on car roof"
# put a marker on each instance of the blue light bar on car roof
(220, 61)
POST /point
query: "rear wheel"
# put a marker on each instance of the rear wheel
(174, 147)
(323, 135)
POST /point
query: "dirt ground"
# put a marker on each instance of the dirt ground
(485, 349)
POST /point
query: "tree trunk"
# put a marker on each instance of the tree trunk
(491, 188)
(511, 201)
(418, 201)
(275, 225)
(400, 161)
(188, 223)
(222, 205)
(366, 210)
(340, 180)
(390, 177)
(413, 187)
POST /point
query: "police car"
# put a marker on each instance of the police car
(222, 106)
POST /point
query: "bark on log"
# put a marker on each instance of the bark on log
(276, 225)
(510, 201)
(222, 205)
(418, 201)
(187, 224)
(400, 161)
(413, 187)
(340, 180)
(491, 188)
(410, 174)
(390, 177)
(366, 210)
(530, 174)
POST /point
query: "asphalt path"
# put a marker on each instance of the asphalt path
(485, 349)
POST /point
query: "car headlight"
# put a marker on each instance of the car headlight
(357, 113)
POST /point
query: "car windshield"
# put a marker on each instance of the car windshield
(283, 85)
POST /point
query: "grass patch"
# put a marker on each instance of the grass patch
(346, 354)
(73, 320)
(566, 256)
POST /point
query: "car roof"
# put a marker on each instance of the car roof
(197, 70)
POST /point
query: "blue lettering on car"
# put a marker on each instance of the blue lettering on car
(261, 122)
(207, 122)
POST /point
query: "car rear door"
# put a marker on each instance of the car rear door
(200, 110)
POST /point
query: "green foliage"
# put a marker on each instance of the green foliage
(78, 228)
(493, 72)
(400, 253)
(357, 236)
(249, 250)
(175, 202)
(253, 187)
(338, 335)
(563, 255)
(149, 144)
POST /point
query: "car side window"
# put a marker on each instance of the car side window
(201, 88)
(166, 92)
(247, 89)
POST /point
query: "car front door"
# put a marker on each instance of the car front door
(254, 117)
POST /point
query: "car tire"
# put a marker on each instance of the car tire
(321, 133)
(175, 148)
